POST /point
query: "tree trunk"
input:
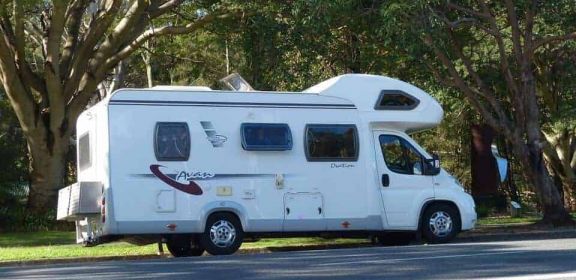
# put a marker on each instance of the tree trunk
(569, 199)
(47, 172)
(559, 154)
(531, 160)
(147, 59)
(149, 75)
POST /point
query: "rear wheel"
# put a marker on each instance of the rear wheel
(394, 238)
(184, 245)
(223, 234)
(440, 223)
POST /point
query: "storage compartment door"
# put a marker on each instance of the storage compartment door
(304, 212)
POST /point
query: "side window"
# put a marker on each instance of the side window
(396, 100)
(172, 141)
(400, 156)
(266, 137)
(331, 142)
(84, 152)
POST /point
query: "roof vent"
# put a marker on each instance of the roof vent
(235, 82)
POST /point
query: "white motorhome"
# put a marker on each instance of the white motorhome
(202, 169)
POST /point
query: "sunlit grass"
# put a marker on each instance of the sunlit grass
(506, 220)
(73, 251)
(60, 245)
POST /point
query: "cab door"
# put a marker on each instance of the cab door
(403, 186)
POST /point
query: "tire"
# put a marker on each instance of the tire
(223, 234)
(184, 245)
(440, 223)
(394, 238)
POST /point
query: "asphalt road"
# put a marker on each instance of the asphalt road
(532, 259)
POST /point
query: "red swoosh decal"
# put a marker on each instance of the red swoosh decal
(191, 187)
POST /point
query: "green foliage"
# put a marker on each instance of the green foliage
(13, 166)
(482, 211)
(451, 139)
(14, 179)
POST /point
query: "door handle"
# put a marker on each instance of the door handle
(319, 210)
(287, 211)
(385, 180)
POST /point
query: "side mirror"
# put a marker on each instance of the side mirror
(432, 165)
(436, 161)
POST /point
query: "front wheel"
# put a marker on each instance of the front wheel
(223, 234)
(440, 223)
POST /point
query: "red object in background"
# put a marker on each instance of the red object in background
(484, 168)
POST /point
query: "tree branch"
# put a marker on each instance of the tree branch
(81, 99)
(468, 11)
(166, 30)
(20, 98)
(16, 44)
(529, 31)
(126, 31)
(572, 149)
(77, 102)
(36, 33)
(52, 75)
(19, 39)
(164, 8)
(484, 91)
(37, 38)
(443, 80)
(516, 37)
(122, 29)
(505, 69)
(461, 84)
(73, 22)
(554, 39)
(81, 57)
(15, 39)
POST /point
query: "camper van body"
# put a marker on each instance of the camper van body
(135, 191)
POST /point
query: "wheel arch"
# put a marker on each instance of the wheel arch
(223, 207)
(429, 203)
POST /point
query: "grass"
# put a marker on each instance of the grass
(504, 220)
(34, 239)
(507, 220)
(72, 251)
(58, 245)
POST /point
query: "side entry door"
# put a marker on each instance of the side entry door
(403, 186)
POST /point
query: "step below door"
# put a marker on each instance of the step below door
(304, 212)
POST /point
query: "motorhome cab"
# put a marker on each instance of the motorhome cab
(202, 169)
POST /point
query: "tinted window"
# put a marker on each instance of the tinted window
(266, 137)
(396, 100)
(84, 155)
(400, 156)
(172, 141)
(331, 142)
